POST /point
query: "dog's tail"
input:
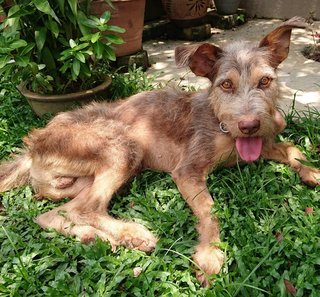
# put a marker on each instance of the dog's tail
(16, 172)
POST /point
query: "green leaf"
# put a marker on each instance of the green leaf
(22, 61)
(73, 5)
(109, 54)
(43, 81)
(65, 67)
(27, 49)
(105, 17)
(99, 48)
(81, 46)
(16, 11)
(40, 37)
(91, 23)
(66, 54)
(44, 6)
(81, 18)
(95, 37)
(72, 43)
(76, 67)
(114, 39)
(18, 43)
(5, 50)
(34, 67)
(61, 5)
(80, 57)
(54, 28)
(86, 37)
(116, 29)
(102, 28)
(85, 70)
(4, 61)
(48, 59)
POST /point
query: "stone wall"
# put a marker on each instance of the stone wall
(282, 9)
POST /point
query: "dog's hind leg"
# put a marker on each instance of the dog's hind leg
(85, 216)
(61, 187)
(49, 184)
(207, 254)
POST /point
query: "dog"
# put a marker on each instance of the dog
(89, 153)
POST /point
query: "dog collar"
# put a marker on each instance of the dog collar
(223, 128)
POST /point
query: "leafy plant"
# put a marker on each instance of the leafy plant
(54, 45)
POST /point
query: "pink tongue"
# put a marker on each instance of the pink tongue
(249, 148)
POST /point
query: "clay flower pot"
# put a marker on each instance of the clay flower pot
(225, 7)
(128, 14)
(42, 104)
(185, 9)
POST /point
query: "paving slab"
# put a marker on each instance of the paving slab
(299, 77)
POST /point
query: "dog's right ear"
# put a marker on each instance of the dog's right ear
(200, 58)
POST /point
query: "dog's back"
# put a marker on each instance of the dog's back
(78, 142)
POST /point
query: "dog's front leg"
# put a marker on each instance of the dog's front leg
(288, 154)
(207, 255)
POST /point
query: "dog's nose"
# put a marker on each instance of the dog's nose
(249, 126)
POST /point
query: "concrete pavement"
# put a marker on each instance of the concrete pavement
(297, 75)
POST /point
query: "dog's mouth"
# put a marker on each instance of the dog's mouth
(249, 148)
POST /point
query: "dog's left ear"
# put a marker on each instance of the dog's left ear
(278, 40)
(200, 58)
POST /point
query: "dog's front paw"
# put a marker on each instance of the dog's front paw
(210, 260)
(310, 176)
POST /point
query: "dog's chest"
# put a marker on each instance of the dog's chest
(224, 151)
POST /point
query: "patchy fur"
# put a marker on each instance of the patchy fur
(87, 154)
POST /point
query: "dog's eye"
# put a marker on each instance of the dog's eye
(226, 85)
(265, 82)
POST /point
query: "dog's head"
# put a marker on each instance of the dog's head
(244, 89)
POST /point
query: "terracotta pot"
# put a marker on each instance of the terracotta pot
(185, 9)
(129, 14)
(227, 6)
(42, 104)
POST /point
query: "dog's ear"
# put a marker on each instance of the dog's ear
(200, 58)
(278, 40)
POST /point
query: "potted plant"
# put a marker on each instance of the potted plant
(52, 48)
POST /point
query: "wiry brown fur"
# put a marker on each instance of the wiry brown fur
(87, 154)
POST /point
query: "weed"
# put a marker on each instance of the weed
(126, 84)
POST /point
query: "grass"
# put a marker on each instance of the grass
(272, 245)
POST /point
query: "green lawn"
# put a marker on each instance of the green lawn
(272, 245)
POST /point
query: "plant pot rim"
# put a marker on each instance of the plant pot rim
(63, 97)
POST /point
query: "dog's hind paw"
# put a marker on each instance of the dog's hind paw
(210, 260)
(310, 176)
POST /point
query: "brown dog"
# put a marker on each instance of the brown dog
(87, 154)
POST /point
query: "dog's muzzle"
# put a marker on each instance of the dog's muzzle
(223, 127)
